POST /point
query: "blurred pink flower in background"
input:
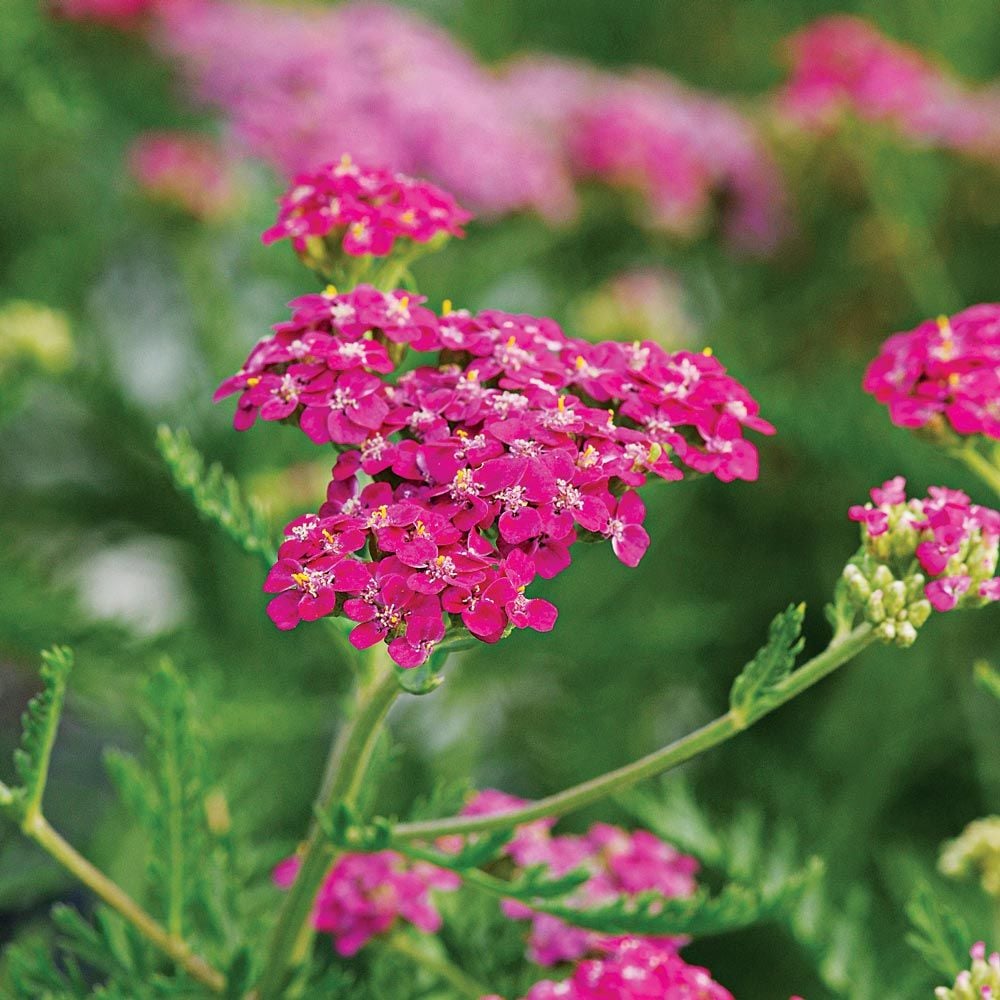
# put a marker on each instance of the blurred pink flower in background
(844, 64)
(191, 172)
(300, 86)
(124, 14)
(678, 148)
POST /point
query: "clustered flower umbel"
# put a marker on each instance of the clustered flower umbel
(467, 477)
(844, 63)
(937, 552)
(300, 84)
(189, 171)
(945, 370)
(364, 895)
(364, 210)
(976, 849)
(634, 968)
(621, 864)
(981, 982)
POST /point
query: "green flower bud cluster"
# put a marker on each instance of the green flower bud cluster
(895, 607)
(980, 982)
(976, 849)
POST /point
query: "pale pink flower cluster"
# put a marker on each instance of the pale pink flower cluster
(981, 982)
(620, 864)
(946, 369)
(632, 969)
(954, 541)
(302, 85)
(844, 64)
(188, 171)
(681, 150)
(364, 895)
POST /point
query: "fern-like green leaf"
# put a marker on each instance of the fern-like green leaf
(939, 934)
(754, 691)
(40, 722)
(216, 495)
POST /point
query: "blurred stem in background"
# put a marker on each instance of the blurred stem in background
(973, 459)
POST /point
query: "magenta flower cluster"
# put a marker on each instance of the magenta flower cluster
(366, 209)
(944, 370)
(844, 64)
(621, 864)
(364, 895)
(467, 477)
(632, 969)
(954, 541)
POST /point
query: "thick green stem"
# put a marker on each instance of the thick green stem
(38, 829)
(346, 767)
(708, 736)
(465, 985)
(980, 465)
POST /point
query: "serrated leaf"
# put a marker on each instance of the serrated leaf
(939, 934)
(754, 691)
(40, 723)
(217, 496)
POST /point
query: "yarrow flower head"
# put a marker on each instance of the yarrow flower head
(365, 895)
(620, 865)
(981, 982)
(632, 968)
(944, 374)
(844, 63)
(185, 170)
(976, 849)
(462, 480)
(357, 210)
(938, 552)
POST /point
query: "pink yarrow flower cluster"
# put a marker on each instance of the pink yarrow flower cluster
(621, 864)
(844, 63)
(468, 477)
(301, 84)
(679, 149)
(365, 209)
(186, 170)
(632, 969)
(364, 896)
(945, 370)
(981, 982)
(954, 541)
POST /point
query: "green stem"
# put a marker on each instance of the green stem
(980, 465)
(345, 770)
(38, 829)
(441, 967)
(708, 736)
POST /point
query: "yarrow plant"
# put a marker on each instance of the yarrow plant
(471, 454)
(463, 479)
(981, 982)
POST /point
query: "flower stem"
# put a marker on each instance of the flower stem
(980, 465)
(708, 736)
(464, 984)
(346, 767)
(38, 829)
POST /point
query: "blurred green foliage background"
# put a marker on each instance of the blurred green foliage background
(871, 771)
